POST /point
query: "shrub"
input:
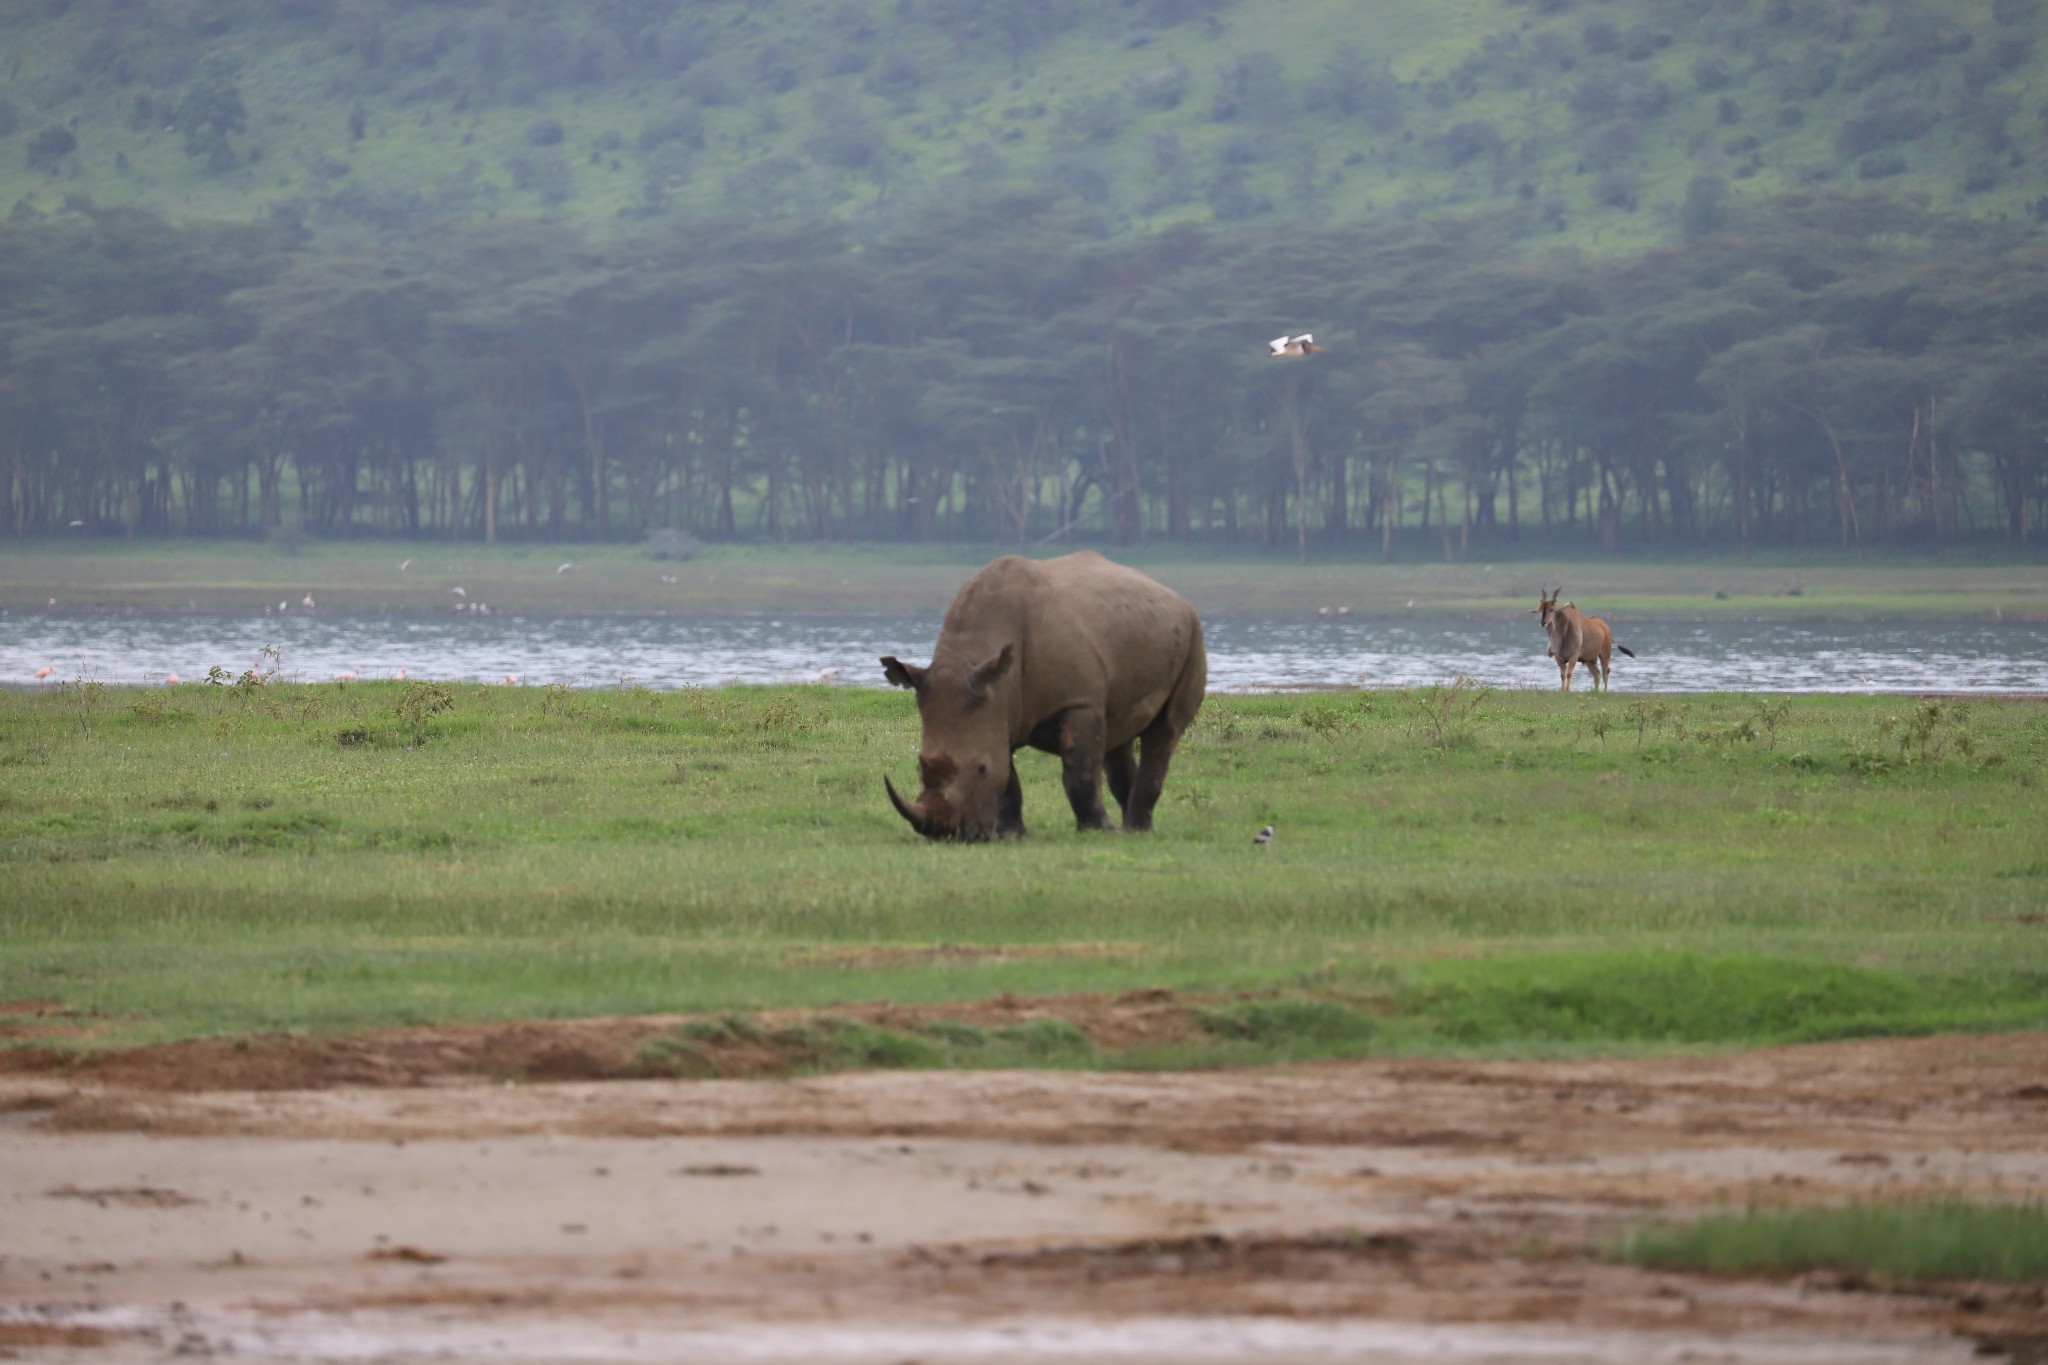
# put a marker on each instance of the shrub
(684, 125)
(1596, 99)
(47, 149)
(1881, 120)
(1617, 189)
(1096, 117)
(1611, 146)
(1472, 138)
(1946, 1239)
(669, 543)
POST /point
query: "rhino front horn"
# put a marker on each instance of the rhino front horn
(906, 810)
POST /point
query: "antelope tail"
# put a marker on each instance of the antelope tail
(1626, 650)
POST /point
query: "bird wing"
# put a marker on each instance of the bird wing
(1279, 344)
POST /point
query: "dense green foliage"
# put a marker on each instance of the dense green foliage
(1847, 372)
(953, 270)
(1612, 122)
(1944, 1240)
(1509, 872)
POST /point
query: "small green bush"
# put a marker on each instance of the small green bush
(1939, 1240)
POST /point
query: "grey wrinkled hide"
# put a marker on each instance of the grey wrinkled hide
(1076, 656)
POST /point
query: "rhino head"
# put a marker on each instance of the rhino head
(964, 760)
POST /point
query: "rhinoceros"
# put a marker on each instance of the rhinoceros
(1076, 656)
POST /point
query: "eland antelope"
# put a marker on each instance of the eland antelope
(1576, 638)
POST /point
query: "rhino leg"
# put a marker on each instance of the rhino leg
(1118, 767)
(1010, 816)
(1080, 750)
(1156, 745)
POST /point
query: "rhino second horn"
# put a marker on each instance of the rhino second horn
(906, 810)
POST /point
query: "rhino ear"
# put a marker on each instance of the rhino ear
(994, 668)
(902, 674)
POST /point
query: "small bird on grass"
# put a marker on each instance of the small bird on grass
(1264, 836)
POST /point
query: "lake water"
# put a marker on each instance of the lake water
(1245, 653)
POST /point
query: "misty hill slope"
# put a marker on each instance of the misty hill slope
(1611, 123)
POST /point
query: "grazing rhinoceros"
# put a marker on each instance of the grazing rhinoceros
(1076, 656)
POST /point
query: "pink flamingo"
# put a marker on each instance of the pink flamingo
(349, 676)
(44, 672)
(172, 680)
(399, 676)
(511, 680)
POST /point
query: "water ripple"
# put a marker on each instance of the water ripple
(1245, 653)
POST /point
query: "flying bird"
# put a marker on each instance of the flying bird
(565, 568)
(404, 564)
(1286, 346)
(1264, 836)
(458, 592)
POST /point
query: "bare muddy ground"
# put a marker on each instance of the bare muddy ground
(169, 1203)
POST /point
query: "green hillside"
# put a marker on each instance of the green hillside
(1594, 119)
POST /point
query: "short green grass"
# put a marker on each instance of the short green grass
(1927, 1240)
(248, 576)
(1510, 873)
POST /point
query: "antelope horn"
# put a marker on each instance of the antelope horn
(906, 810)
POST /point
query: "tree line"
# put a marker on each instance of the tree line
(1814, 369)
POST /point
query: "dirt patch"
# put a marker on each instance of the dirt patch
(775, 1043)
(1435, 1192)
(25, 1335)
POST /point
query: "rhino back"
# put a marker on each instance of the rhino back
(1088, 631)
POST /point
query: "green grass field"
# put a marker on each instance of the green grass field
(1515, 872)
(216, 575)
